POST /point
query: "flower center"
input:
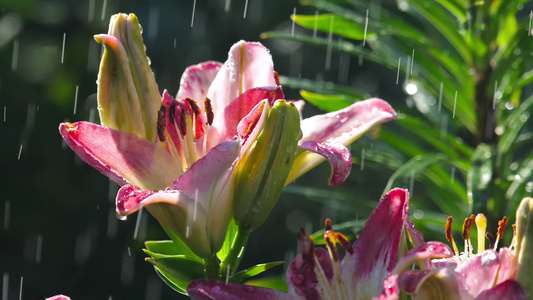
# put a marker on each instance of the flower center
(181, 129)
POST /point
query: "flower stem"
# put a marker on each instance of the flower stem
(230, 265)
(212, 267)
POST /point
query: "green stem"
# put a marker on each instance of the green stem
(212, 267)
(230, 265)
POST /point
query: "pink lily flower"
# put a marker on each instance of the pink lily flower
(180, 163)
(489, 274)
(58, 297)
(318, 273)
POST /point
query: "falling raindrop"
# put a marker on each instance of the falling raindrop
(20, 290)
(5, 111)
(153, 22)
(366, 27)
(90, 18)
(398, 73)
(7, 214)
(20, 152)
(5, 286)
(228, 4)
(443, 127)
(175, 41)
(112, 191)
(454, 105)
(103, 9)
(192, 18)
(195, 205)
(530, 17)
(127, 269)
(294, 14)
(76, 99)
(412, 62)
(153, 288)
(453, 174)
(137, 223)
(494, 96)
(344, 67)
(227, 274)
(440, 96)
(63, 48)
(330, 44)
(245, 9)
(112, 224)
(363, 159)
(92, 114)
(411, 183)
(15, 59)
(39, 249)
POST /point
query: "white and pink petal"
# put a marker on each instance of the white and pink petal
(197, 79)
(203, 289)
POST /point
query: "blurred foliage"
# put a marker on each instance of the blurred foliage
(465, 135)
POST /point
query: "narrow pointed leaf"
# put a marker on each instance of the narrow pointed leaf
(254, 271)
(479, 177)
(335, 24)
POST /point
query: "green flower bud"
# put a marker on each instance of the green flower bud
(128, 96)
(263, 169)
(524, 245)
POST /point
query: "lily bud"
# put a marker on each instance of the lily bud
(128, 96)
(524, 247)
(264, 167)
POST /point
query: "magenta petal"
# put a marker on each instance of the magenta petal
(203, 289)
(376, 249)
(196, 80)
(58, 297)
(249, 66)
(121, 156)
(508, 290)
(226, 123)
(390, 289)
(302, 274)
(346, 125)
(422, 253)
(338, 156)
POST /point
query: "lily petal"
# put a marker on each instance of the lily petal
(198, 209)
(339, 157)
(304, 276)
(438, 283)
(375, 250)
(339, 128)
(203, 289)
(123, 157)
(390, 289)
(196, 80)
(509, 290)
(422, 253)
(225, 124)
(249, 66)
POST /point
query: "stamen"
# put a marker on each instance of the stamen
(183, 123)
(194, 106)
(467, 225)
(449, 236)
(481, 224)
(332, 248)
(491, 239)
(344, 242)
(161, 123)
(276, 77)
(501, 228)
(328, 224)
(209, 111)
(172, 113)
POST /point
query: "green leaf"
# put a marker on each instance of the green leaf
(517, 189)
(228, 242)
(507, 30)
(180, 247)
(279, 283)
(415, 166)
(513, 124)
(254, 271)
(335, 24)
(479, 177)
(178, 268)
(179, 286)
(321, 87)
(327, 102)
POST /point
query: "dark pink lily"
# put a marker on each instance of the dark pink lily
(180, 163)
(318, 273)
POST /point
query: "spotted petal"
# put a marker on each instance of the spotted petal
(123, 157)
(333, 130)
(196, 80)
